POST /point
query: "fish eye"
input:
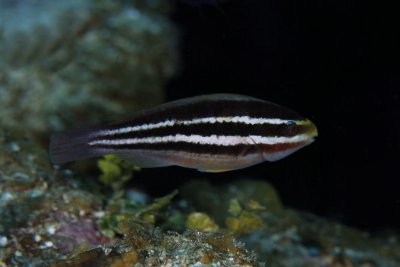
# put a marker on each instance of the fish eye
(291, 127)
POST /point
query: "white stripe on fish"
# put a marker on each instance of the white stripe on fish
(204, 140)
(169, 123)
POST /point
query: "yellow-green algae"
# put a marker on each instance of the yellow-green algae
(201, 221)
(238, 222)
(244, 220)
(121, 212)
(115, 171)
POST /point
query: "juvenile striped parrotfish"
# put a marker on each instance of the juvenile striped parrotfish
(212, 133)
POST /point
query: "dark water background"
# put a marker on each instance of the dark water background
(332, 61)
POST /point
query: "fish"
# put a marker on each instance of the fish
(210, 133)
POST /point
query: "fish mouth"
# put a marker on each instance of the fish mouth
(311, 130)
(314, 131)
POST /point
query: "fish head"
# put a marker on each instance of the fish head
(293, 135)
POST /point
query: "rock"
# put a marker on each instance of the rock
(68, 64)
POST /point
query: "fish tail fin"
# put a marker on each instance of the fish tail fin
(71, 146)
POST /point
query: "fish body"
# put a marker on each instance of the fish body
(211, 133)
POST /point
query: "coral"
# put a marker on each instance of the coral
(153, 248)
(251, 210)
(121, 212)
(68, 64)
(45, 213)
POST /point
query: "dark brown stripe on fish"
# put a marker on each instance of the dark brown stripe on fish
(188, 110)
(234, 151)
(206, 129)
